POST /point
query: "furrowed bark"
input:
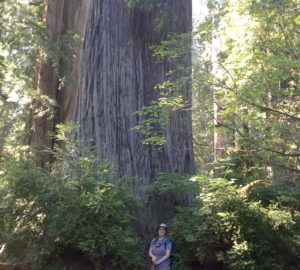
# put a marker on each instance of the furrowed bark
(118, 78)
(61, 17)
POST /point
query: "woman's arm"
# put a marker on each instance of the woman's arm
(152, 256)
(167, 256)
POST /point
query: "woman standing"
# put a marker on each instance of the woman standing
(160, 249)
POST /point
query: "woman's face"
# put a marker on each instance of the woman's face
(161, 231)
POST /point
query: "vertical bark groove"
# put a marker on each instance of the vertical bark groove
(118, 78)
(60, 17)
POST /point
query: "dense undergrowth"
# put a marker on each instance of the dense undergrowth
(75, 206)
(78, 206)
(228, 227)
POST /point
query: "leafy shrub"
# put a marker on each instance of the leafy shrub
(77, 204)
(174, 184)
(230, 228)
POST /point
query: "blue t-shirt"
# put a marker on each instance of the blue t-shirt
(159, 249)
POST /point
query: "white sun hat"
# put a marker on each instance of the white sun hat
(162, 225)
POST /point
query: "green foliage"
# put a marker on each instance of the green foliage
(250, 54)
(176, 46)
(22, 35)
(78, 205)
(202, 112)
(156, 117)
(242, 167)
(175, 184)
(245, 60)
(285, 195)
(241, 233)
(24, 46)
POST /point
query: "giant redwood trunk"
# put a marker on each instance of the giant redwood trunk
(117, 80)
(62, 17)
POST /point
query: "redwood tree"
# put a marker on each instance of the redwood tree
(54, 102)
(118, 77)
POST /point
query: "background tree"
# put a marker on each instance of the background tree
(18, 51)
(57, 72)
(257, 82)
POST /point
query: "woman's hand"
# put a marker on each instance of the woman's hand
(168, 253)
(154, 260)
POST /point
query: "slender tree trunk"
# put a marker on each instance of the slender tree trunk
(118, 78)
(219, 131)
